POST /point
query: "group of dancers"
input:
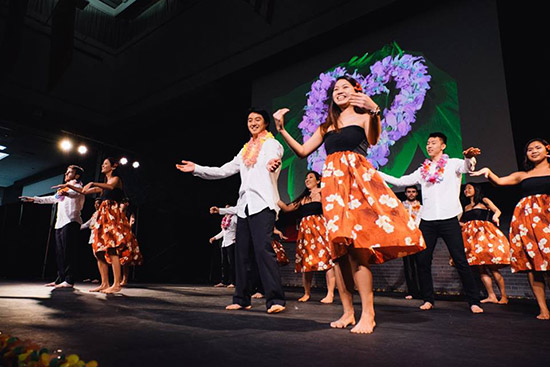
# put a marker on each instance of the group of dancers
(350, 218)
(112, 240)
(354, 219)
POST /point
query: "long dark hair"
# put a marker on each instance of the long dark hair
(527, 164)
(333, 110)
(114, 164)
(306, 191)
(478, 194)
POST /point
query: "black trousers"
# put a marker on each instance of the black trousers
(66, 240)
(254, 233)
(449, 231)
(411, 276)
(228, 264)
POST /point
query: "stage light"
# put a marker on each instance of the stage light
(123, 161)
(82, 149)
(66, 145)
(135, 164)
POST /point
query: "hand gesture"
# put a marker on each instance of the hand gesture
(212, 239)
(471, 152)
(496, 219)
(279, 118)
(214, 210)
(186, 166)
(273, 164)
(280, 234)
(362, 101)
(88, 186)
(482, 172)
(26, 199)
(61, 186)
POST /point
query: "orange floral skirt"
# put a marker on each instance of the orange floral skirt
(485, 244)
(363, 212)
(530, 234)
(312, 249)
(112, 232)
(282, 259)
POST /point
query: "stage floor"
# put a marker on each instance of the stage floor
(184, 325)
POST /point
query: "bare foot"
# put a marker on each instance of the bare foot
(123, 282)
(409, 297)
(490, 299)
(503, 301)
(52, 284)
(276, 309)
(544, 315)
(64, 285)
(328, 299)
(219, 285)
(476, 309)
(236, 306)
(100, 288)
(112, 289)
(344, 321)
(257, 295)
(231, 286)
(304, 298)
(426, 306)
(365, 325)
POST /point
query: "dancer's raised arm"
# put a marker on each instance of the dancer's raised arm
(510, 180)
(301, 150)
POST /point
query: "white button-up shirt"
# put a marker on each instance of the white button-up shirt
(258, 186)
(230, 234)
(69, 206)
(439, 200)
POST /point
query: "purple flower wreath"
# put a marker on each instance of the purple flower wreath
(412, 80)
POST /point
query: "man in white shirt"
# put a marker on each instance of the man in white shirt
(67, 225)
(440, 178)
(258, 164)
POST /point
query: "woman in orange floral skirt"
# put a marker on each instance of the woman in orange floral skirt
(530, 226)
(487, 248)
(366, 222)
(114, 242)
(312, 250)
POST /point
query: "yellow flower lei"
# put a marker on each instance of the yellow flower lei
(251, 150)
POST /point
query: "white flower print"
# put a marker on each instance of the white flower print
(409, 241)
(343, 160)
(329, 207)
(351, 159)
(331, 224)
(411, 224)
(335, 198)
(383, 222)
(388, 200)
(338, 173)
(353, 203)
(357, 227)
(536, 219)
(370, 200)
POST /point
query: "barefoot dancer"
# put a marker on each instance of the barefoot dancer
(258, 163)
(228, 233)
(440, 178)
(67, 225)
(114, 242)
(366, 223)
(487, 249)
(312, 249)
(530, 226)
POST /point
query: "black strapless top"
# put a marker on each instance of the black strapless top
(313, 208)
(476, 214)
(535, 185)
(114, 195)
(349, 138)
